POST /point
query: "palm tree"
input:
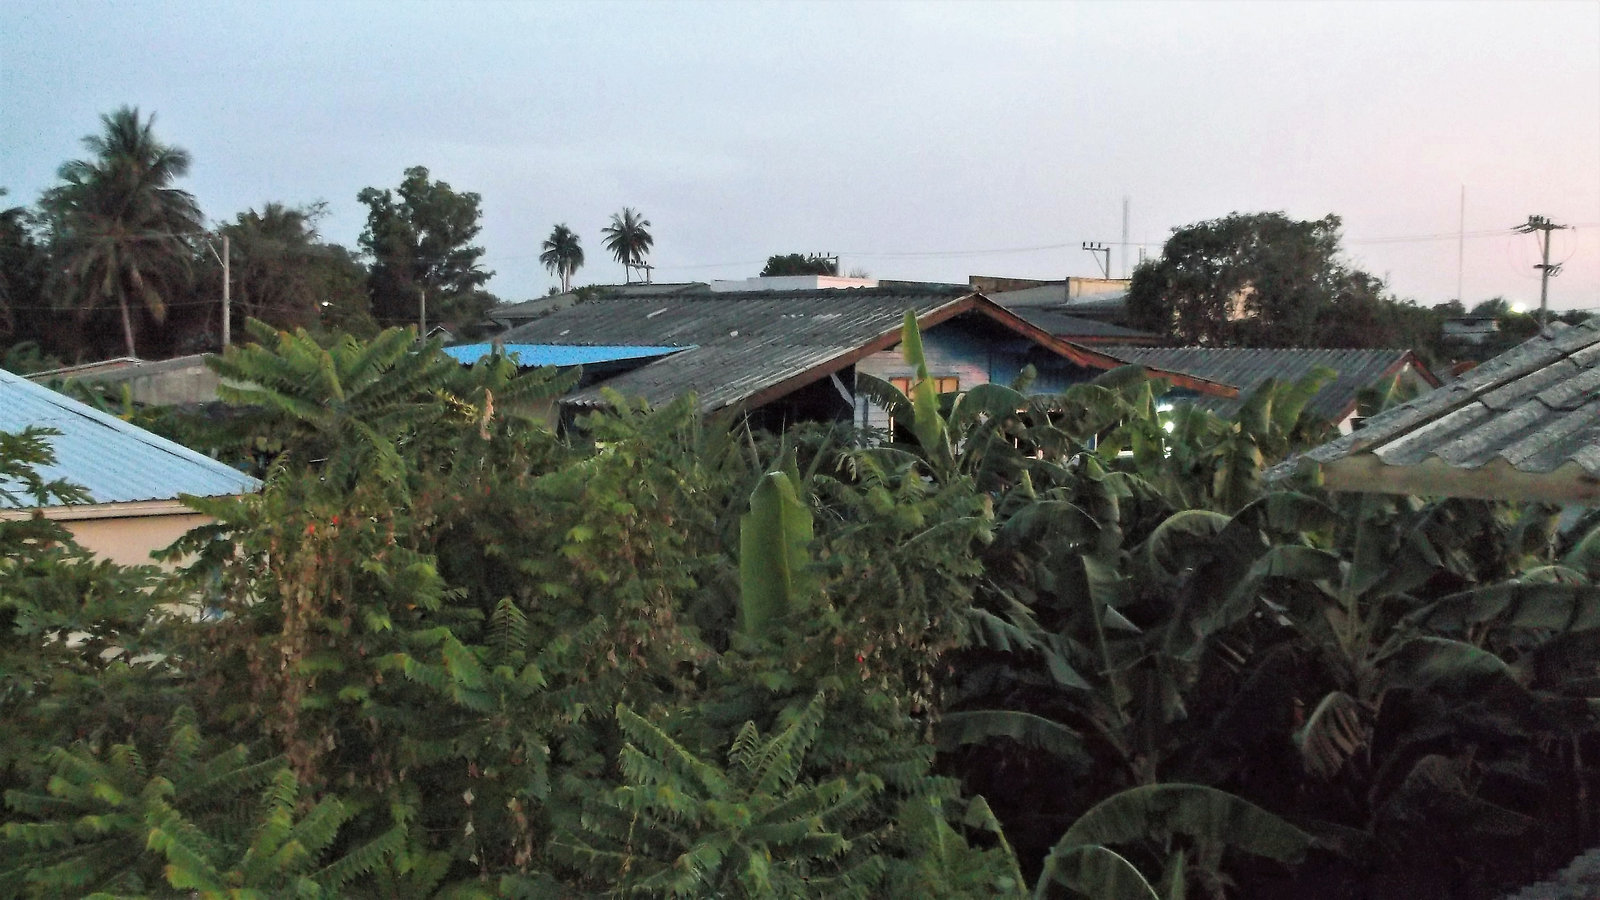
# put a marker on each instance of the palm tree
(562, 255)
(120, 226)
(628, 240)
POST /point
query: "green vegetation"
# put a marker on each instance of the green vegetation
(629, 240)
(800, 264)
(1066, 646)
(1266, 280)
(117, 259)
(562, 255)
(420, 240)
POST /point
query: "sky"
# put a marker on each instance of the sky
(927, 141)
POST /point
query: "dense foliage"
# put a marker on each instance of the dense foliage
(116, 259)
(1266, 280)
(800, 264)
(1067, 646)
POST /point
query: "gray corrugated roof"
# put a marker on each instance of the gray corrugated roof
(742, 342)
(1056, 321)
(1523, 417)
(1247, 368)
(114, 461)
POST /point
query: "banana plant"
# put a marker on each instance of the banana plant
(775, 577)
(1183, 828)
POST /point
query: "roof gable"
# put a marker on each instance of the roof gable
(1522, 426)
(114, 461)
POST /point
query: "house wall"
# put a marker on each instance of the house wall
(974, 355)
(130, 541)
(164, 383)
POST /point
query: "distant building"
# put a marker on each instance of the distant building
(135, 479)
(1471, 329)
(169, 382)
(785, 356)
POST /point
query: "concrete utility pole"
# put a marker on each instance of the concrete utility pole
(422, 314)
(226, 259)
(227, 295)
(1544, 226)
(1097, 248)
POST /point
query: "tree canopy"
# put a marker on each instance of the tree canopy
(800, 264)
(419, 237)
(629, 240)
(1260, 279)
(121, 229)
(562, 255)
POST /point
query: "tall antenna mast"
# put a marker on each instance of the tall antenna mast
(1461, 245)
(1124, 236)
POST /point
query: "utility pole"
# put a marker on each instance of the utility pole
(226, 259)
(227, 294)
(1544, 226)
(1097, 249)
(422, 314)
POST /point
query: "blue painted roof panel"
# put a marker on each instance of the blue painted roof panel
(559, 354)
(114, 461)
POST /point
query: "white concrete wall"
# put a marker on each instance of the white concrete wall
(792, 283)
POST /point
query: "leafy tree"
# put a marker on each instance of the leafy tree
(23, 266)
(562, 255)
(283, 274)
(1258, 279)
(629, 240)
(681, 826)
(419, 237)
(120, 230)
(800, 264)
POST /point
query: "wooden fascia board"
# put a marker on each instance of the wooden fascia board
(1365, 473)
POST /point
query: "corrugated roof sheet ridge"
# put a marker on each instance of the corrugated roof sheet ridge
(1534, 409)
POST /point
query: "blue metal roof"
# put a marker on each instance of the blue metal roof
(559, 354)
(114, 461)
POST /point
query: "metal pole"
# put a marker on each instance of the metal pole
(1124, 237)
(1461, 245)
(227, 294)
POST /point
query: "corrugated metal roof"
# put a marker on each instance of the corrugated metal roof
(557, 354)
(742, 343)
(114, 461)
(1056, 321)
(1524, 425)
(739, 345)
(1247, 368)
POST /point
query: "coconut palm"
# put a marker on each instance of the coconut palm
(628, 239)
(120, 227)
(563, 255)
